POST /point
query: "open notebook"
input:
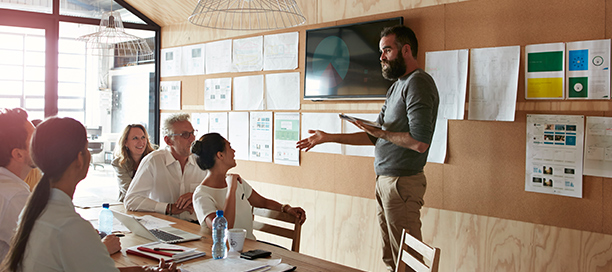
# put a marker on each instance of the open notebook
(166, 234)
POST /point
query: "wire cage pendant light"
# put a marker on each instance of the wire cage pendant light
(247, 14)
(111, 40)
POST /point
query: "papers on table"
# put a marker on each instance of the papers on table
(168, 252)
(554, 154)
(236, 264)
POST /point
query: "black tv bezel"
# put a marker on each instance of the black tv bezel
(340, 97)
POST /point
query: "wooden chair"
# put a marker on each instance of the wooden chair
(293, 234)
(432, 254)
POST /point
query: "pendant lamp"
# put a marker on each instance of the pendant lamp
(111, 40)
(247, 14)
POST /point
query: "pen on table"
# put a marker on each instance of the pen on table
(168, 249)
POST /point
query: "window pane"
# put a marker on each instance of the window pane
(34, 73)
(10, 41)
(70, 103)
(10, 87)
(35, 88)
(10, 102)
(43, 6)
(35, 59)
(13, 57)
(71, 89)
(71, 75)
(94, 9)
(36, 114)
(11, 72)
(35, 103)
(77, 115)
(72, 46)
(35, 43)
(71, 61)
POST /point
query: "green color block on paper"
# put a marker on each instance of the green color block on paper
(545, 61)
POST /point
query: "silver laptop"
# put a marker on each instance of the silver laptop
(166, 234)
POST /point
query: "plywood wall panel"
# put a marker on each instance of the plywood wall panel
(475, 24)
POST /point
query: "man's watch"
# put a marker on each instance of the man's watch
(169, 209)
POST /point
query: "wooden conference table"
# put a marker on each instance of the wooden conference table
(301, 261)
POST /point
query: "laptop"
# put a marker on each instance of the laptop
(168, 235)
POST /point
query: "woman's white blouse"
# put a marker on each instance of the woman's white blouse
(62, 240)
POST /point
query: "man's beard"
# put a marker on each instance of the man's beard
(394, 69)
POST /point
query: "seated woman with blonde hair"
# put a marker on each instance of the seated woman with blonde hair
(228, 192)
(51, 236)
(132, 146)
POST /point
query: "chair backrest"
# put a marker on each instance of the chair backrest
(293, 234)
(431, 254)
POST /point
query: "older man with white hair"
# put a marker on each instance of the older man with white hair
(166, 178)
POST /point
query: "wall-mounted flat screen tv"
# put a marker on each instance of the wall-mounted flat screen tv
(343, 62)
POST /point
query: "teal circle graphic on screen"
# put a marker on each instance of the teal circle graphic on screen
(332, 60)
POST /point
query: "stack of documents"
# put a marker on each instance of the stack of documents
(237, 264)
(168, 252)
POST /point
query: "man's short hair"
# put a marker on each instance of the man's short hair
(13, 133)
(403, 35)
(169, 122)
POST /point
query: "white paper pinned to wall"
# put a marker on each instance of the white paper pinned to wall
(219, 57)
(247, 54)
(281, 51)
(283, 91)
(328, 122)
(239, 134)
(249, 92)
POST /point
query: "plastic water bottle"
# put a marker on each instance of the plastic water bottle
(219, 224)
(105, 221)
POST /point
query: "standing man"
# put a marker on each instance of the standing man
(166, 178)
(15, 164)
(408, 119)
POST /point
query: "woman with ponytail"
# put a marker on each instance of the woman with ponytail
(228, 192)
(51, 236)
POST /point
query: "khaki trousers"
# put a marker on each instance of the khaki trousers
(399, 207)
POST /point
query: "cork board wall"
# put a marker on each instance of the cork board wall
(484, 172)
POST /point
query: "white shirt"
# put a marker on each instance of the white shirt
(13, 197)
(207, 200)
(63, 241)
(159, 181)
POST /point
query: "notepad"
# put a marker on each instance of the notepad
(148, 251)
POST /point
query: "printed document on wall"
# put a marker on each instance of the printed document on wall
(598, 147)
(171, 62)
(194, 59)
(281, 51)
(544, 71)
(494, 83)
(249, 92)
(261, 136)
(347, 127)
(218, 94)
(239, 134)
(554, 154)
(588, 69)
(219, 57)
(199, 121)
(170, 95)
(283, 91)
(328, 122)
(248, 54)
(286, 135)
(449, 70)
(218, 123)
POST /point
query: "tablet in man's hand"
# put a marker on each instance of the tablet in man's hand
(365, 122)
